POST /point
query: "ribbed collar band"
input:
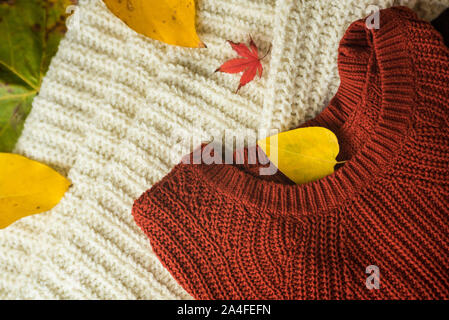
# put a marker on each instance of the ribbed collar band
(386, 52)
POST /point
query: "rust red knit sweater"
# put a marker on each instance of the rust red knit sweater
(226, 233)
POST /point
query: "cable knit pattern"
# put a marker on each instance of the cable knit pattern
(225, 233)
(109, 114)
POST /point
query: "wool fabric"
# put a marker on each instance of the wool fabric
(110, 110)
(223, 232)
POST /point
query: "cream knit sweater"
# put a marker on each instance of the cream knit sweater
(106, 117)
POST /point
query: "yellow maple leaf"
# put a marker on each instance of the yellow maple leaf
(27, 187)
(304, 154)
(170, 21)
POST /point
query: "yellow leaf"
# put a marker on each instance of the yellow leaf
(304, 154)
(27, 187)
(170, 21)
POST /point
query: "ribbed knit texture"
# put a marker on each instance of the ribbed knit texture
(304, 75)
(225, 233)
(107, 113)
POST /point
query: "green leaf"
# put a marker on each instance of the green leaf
(30, 31)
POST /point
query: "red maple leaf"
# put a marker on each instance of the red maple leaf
(249, 62)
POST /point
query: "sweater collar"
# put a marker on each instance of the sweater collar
(386, 52)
